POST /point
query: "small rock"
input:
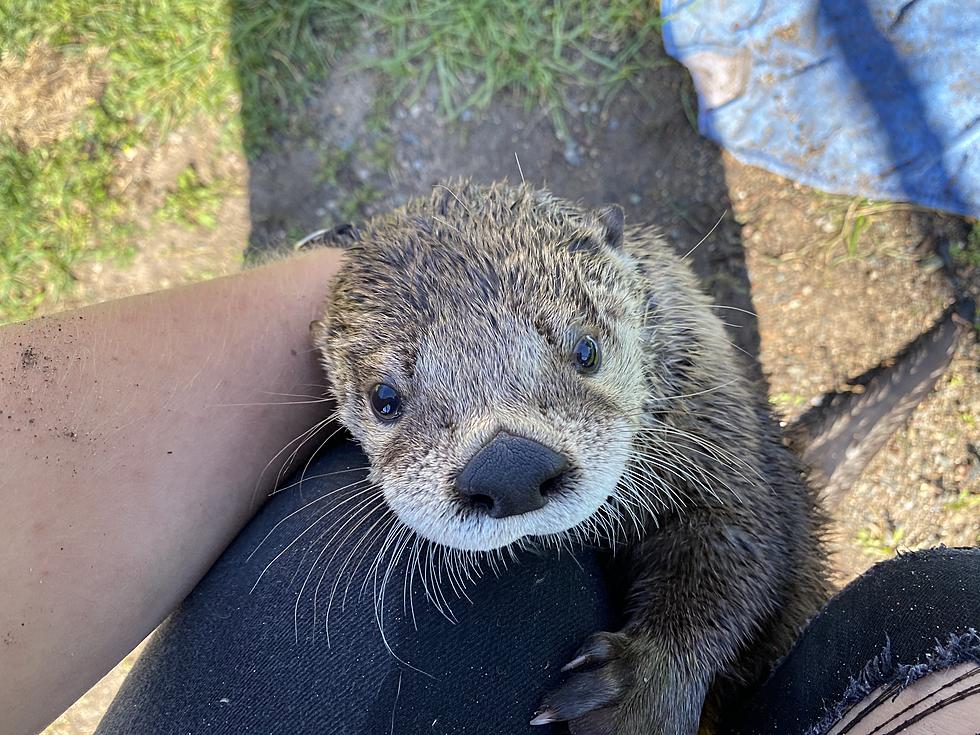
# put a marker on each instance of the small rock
(572, 155)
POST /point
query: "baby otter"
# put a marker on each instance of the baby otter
(519, 369)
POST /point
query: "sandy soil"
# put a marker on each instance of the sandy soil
(776, 252)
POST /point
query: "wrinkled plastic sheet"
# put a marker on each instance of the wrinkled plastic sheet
(877, 98)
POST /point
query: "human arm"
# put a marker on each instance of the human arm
(133, 437)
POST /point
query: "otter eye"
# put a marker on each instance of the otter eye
(586, 355)
(385, 402)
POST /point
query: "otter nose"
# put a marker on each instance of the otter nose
(510, 475)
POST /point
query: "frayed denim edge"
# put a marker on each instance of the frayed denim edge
(881, 671)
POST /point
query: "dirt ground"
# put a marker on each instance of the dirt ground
(821, 317)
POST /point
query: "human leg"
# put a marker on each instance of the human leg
(904, 621)
(232, 659)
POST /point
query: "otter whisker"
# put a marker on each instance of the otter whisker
(696, 309)
(626, 506)
(393, 534)
(291, 485)
(714, 227)
(655, 463)
(641, 468)
(712, 389)
(609, 526)
(352, 513)
(300, 510)
(701, 482)
(632, 496)
(316, 522)
(453, 563)
(374, 532)
(302, 475)
(302, 395)
(720, 453)
(707, 476)
(453, 194)
(307, 402)
(392, 542)
(519, 169)
(313, 429)
(469, 566)
(446, 224)
(408, 589)
(733, 308)
(660, 487)
(379, 613)
(292, 457)
(434, 574)
(491, 558)
(398, 548)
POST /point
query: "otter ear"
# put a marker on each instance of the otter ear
(601, 227)
(612, 219)
(319, 332)
(341, 236)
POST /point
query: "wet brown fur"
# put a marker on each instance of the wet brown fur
(469, 302)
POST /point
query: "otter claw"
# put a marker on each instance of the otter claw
(544, 717)
(587, 697)
(600, 648)
(581, 693)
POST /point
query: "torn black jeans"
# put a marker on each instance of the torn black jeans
(248, 650)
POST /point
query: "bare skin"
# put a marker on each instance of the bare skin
(133, 434)
(944, 703)
(132, 437)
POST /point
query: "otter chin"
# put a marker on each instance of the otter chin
(521, 369)
(513, 490)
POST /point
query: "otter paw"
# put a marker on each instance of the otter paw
(600, 676)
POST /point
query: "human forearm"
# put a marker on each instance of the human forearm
(132, 437)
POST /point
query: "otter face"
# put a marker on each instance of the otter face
(485, 348)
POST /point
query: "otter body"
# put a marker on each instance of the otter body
(521, 370)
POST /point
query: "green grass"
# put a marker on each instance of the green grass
(534, 48)
(964, 501)
(880, 543)
(247, 65)
(165, 61)
(788, 400)
(57, 209)
(193, 202)
(967, 253)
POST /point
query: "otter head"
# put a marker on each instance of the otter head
(485, 349)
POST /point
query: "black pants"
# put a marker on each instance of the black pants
(233, 659)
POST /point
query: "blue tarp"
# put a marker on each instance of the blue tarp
(879, 98)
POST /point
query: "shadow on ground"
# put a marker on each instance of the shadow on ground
(833, 296)
(836, 291)
(362, 154)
